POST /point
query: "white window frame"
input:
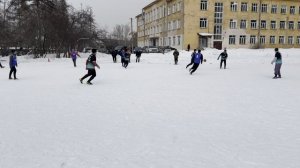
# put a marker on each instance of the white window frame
(233, 24)
(203, 22)
(273, 24)
(253, 24)
(254, 7)
(290, 40)
(244, 6)
(203, 5)
(233, 6)
(281, 40)
(231, 39)
(243, 24)
(272, 39)
(242, 40)
(264, 8)
(253, 39)
(274, 9)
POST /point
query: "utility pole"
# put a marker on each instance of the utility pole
(259, 23)
(131, 34)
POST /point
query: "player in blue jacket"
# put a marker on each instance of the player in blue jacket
(196, 62)
(13, 64)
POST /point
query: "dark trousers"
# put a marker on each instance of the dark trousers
(122, 61)
(190, 63)
(221, 63)
(194, 68)
(92, 73)
(13, 70)
(277, 70)
(126, 63)
(138, 58)
(114, 58)
(74, 62)
(1, 65)
(176, 59)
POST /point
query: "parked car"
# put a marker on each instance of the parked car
(150, 49)
(165, 49)
(137, 49)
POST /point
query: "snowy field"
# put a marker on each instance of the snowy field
(152, 114)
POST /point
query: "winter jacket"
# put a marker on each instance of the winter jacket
(176, 53)
(13, 61)
(74, 55)
(198, 58)
(223, 56)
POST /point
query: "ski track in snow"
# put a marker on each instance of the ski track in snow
(153, 114)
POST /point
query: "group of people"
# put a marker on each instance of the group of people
(91, 63)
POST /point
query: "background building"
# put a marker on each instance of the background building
(220, 24)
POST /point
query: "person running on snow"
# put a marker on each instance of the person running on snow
(138, 55)
(223, 56)
(13, 64)
(114, 54)
(278, 63)
(192, 58)
(127, 57)
(74, 55)
(176, 54)
(196, 62)
(90, 66)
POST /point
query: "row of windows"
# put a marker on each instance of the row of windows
(244, 7)
(173, 25)
(262, 40)
(162, 11)
(233, 24)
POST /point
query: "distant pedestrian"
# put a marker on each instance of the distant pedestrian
(74, 55)
(138, 55)
(188, 47)
(13, 64)
(196, 62)
(114, 54)
(122, 54)
(1, 66)
(224, 57)
(192, 58)
(127, 57)
(176, 54)
(91, 63)
(278, 63)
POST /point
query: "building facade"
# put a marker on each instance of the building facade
(220, 24)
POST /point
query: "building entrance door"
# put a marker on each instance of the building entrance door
(218, 45)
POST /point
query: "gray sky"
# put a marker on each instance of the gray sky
(108, 13)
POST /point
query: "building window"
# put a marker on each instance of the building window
(179, 6)
(291, 25)
(233, 6)
(243, 24)
(232, 24)
(253, 24)
(174, 8)
(174, 25)
(290, 40)
(282, 24)
(264, 8)
(254, 7)
(283, 9)
(178, 24)
(263, 24)
(273, 24)
(298, 39)
(203, 5)
(242, 40)
(272, 39)
(281, 39)
(274, 9)
(252, 39)
(292, 10)
(244, 7)
(174, 41)
(218, 20)
(232, 39)
(262, 39)
(178, 40)
(170, 41)
(298, 26)
(203, 22)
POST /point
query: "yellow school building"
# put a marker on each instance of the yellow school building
(220, 24)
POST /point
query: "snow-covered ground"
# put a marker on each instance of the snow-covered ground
(153, 114)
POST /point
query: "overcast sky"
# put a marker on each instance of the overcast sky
(108, 13)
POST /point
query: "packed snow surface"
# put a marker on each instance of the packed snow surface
(153, 114)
